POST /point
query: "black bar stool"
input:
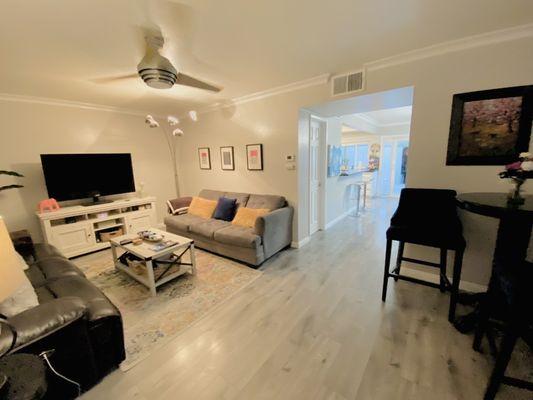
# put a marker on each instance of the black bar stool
(427, 217)
(511, 287)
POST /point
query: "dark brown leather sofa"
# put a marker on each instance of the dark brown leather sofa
(74, 318)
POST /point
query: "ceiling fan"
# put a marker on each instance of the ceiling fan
(158, 72)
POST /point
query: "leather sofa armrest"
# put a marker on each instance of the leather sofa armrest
(276, 229)
(43, 320)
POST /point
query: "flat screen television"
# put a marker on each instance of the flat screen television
(78, 176)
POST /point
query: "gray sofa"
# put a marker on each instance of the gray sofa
(272, 232)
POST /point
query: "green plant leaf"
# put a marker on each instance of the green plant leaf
(12, 173)
(10, 187)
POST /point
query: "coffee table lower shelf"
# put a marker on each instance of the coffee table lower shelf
(149, 280)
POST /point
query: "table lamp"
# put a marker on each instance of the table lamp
(11, 277)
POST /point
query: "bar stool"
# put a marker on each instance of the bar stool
(354, 195)
(427, 217)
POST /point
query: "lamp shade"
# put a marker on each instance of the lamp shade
(11, 273)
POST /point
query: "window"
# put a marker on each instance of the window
(354, 157)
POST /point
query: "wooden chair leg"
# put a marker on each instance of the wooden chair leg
(457, 269)
(443, 260)
(401, 247)
(386, 272)
(507, 346)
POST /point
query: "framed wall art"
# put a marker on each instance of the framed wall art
(204, 157)
(254, 157)
(227, 161)
(490, 127)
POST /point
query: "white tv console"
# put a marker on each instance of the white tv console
(76, 230)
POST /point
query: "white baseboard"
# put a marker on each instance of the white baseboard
(301, 243)
(428, 276)
(340, 217)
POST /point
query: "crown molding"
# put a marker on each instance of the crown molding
(483, 39)
(314, 81)
(67, 103)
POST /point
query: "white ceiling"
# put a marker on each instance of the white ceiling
(393, 116)
(60, 48)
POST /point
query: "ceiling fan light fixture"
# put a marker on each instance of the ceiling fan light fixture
(157, 78)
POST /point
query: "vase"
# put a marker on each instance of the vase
(514, 197)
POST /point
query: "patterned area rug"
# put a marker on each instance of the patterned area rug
(149, 322)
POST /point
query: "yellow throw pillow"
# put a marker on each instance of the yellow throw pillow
(246, 216)
(202, 207)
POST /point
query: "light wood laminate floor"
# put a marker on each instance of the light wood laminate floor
(314, 327)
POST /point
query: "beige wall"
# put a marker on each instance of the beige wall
(275, 121)
(272, 121)
(31, 129)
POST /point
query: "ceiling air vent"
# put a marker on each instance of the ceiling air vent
(348, 83)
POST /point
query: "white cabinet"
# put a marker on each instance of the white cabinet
(139, 221)
(79, 230)
(73, 237)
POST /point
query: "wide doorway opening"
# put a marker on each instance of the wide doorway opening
(358, 151)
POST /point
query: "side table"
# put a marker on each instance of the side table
(26, 376)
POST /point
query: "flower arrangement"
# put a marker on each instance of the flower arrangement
(519, 172)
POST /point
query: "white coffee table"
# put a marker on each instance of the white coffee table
(145, 252)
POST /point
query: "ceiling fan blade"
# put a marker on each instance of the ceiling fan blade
(187, 80)
(111, 79)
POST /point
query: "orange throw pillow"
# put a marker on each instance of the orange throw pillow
(246, 216)
(202, 207)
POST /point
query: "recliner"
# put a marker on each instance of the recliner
(73, 317)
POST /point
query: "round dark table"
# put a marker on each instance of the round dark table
(26, 375)
(514, 231)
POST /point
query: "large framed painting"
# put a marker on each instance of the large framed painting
(227, 162)
(204, 157)
(254, 157)
(490, 127)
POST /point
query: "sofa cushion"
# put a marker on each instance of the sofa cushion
(209, 227)
(238, 236)
(179, 205)
(246, 217)
(225, 209)
(51, 268)
(202, 207)
(182, 222)
(43, 320)
(43, 250)
(211, 194)
(269, 201)
(242, 198)
(98, 305)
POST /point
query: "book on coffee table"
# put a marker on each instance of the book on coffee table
(163, 245)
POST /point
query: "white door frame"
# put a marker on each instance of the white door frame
(322, 167)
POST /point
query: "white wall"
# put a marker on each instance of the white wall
(29, 130)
